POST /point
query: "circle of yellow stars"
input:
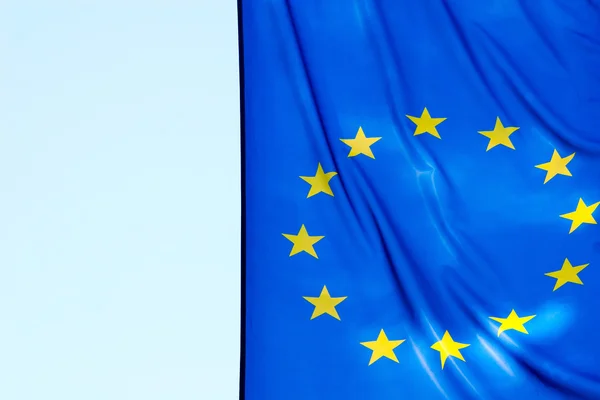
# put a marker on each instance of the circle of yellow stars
(500, 135)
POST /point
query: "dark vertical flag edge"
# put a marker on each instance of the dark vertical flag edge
(243, 202)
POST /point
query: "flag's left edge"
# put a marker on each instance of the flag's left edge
(242, 372)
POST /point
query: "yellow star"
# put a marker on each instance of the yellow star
(325, 304)
(382, 347)
(360, 144)
(513, 321)
(448, 347)
(426, 124)
(566, 274)
(320, 182)
(582, 215)
(500, 135)
(556, 165)
(303, 242)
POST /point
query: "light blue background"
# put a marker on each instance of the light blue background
(119, 201)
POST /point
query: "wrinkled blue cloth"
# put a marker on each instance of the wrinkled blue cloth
(431, 234)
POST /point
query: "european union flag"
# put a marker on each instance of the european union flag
(421, 194)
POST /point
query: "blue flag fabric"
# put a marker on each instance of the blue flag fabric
(421, 192)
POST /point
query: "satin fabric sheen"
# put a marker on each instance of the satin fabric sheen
(431, 235)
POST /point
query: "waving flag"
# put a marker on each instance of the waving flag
(421, 189)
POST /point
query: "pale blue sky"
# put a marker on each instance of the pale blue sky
(119, 207)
